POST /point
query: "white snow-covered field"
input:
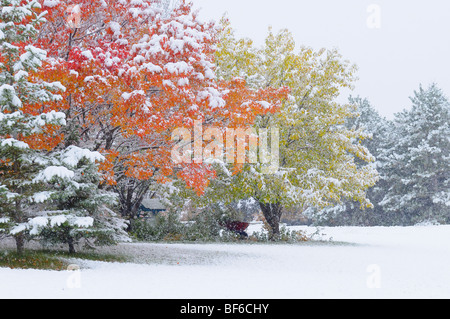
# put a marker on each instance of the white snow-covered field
(392, 262)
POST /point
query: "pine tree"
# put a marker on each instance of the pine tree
(24, 132)
(76, 208)
(417, 163)
(46, 190)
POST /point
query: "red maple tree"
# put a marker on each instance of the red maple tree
(133, 74)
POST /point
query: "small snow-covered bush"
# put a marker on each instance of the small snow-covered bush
(161, 228)
(203, 227)
(286, 235)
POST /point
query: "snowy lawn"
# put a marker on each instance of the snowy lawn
(394, 262)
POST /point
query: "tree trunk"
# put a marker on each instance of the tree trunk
(20, 243)
(272, 214)
(19, 218)
(131, 196)
(71, 246)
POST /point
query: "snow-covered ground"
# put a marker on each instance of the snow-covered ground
(393, 262)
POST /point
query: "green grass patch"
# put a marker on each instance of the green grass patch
(50, 260)
(86, 256)
(31, 260)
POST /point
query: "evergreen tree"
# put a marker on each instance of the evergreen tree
(77, 208)
(417, 164)
(24, 132)
(43, 191)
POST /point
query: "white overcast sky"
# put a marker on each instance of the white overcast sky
(410, 47)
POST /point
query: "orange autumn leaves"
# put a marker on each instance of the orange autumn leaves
(132, 76)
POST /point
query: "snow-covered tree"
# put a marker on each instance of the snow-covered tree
(317, 152)
(416, 165)
(41, 187)
(24, 131)
(76, 207)
(134, 75)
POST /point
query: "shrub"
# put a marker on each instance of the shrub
(286, 235)
(162, 228)
(204, 227)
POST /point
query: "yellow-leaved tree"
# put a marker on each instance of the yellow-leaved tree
(315, 153)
